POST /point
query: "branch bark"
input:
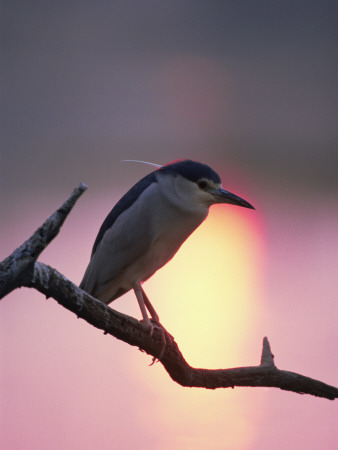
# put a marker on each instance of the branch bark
(18, 267)
(21, 268)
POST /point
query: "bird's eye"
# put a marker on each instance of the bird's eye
(202, 184)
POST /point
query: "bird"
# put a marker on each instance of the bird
(147, 227)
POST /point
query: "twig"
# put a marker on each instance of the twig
(19, 266)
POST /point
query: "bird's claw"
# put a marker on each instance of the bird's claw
(156, 324)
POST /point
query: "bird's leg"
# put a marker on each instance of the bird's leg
(150, 307)
(144, 302)
(139, 295)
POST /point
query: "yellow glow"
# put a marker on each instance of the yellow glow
(207, 295)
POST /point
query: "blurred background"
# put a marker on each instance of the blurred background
(246, 87)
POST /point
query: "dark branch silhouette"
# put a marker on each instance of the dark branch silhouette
(21, 268)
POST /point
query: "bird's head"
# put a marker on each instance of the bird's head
(194, 182)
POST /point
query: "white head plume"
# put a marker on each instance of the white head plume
(142, 162)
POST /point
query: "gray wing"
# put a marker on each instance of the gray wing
(127, 238)
(124, 203)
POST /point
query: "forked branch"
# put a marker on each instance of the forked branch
(21, 268)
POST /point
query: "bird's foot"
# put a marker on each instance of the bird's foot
(151, 324)
(155, 324)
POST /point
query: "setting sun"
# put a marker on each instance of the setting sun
(209, 298)
(208, 293)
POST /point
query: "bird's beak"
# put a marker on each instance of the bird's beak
(222, 196)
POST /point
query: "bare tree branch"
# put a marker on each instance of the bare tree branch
(22, 269)
(18, 267)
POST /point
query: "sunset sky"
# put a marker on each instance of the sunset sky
(246, 87)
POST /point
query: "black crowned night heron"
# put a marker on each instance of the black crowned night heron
(148, 225)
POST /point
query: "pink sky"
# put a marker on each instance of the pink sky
(245, 87)
(66, 385)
